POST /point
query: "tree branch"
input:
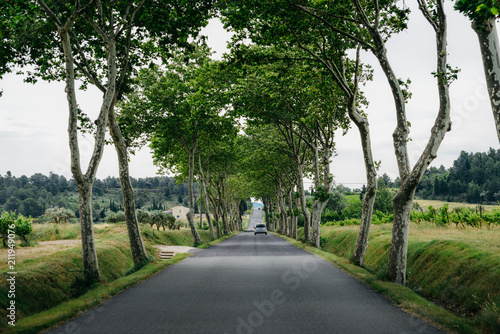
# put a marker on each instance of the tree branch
(339, 31)
(422, 5)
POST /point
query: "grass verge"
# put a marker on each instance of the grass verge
(404, 297)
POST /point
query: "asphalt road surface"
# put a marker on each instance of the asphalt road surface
(248, 284)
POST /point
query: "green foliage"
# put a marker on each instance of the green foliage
(7, 221)
(473, 178)
(23, 228)
(114, 217)
(461, 217)
(143, 217)
(478, 9)
(354, 208)
(383, 201)
(19, 226)
(345, 222)
(161, 219)
(58, 195)
(57, 215)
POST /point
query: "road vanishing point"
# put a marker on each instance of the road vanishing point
(248, 284)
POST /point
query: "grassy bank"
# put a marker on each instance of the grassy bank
(48, 274)
(456, 269)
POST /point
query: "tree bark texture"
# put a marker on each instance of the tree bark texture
(488, 41)
(371, 186)
(292, 220)
(84, 182)
(205, 197)
(320, 202)
(403, 199)
(284, 215)
(215, 212)
(89, 253)
(190, 215)
(139, 253)
(303, 203)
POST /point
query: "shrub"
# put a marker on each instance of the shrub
(353, 209)
(143, 217)
(23, 228)
(7, 220)
(58, 215)
(114, 217)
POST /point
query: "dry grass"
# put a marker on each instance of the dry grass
(484, 239)
(425, 203)
(43, 248)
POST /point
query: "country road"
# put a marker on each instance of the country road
(248, 284)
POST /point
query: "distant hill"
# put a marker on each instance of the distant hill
(30, 196)
(257, 205)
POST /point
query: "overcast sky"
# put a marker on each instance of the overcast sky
(33, 118)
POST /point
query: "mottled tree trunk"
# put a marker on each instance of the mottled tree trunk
(320, 203)
(292, 219)
(297, 204)
(267, 213)
(284, 216)
(207, 207)
(371, 185)
(221, 206)
(216, 216)
(303, 203)
(240, 214)
(488, 41)
(403, 199)
(89, 253)
(84, 182)
(190, 215)
(139, 253)
(401, 229)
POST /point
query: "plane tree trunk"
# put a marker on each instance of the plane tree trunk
(85, 181)
(190, 215)
(303, 203)
(371, 185)
(139, 253)
(410, 178)
(488, 41)
(205, 197)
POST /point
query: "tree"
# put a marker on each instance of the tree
(371, 23)
(73, 23)
(173, 102)
(30, 207)
(104, 40)
(483, 15)
(305, 105)
(306, 26)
